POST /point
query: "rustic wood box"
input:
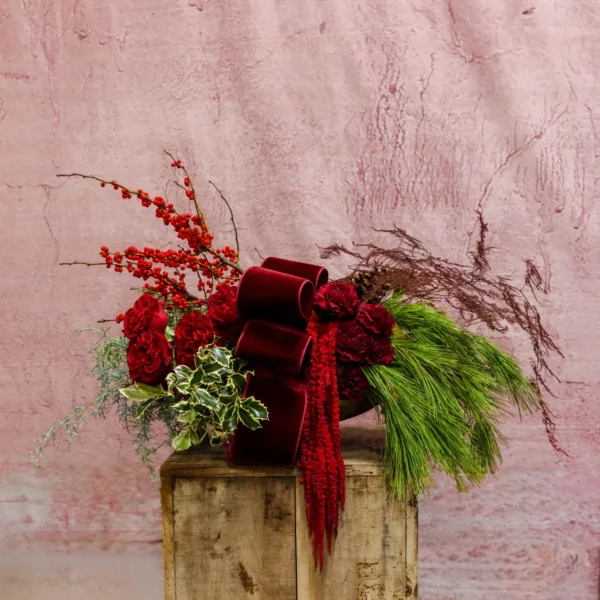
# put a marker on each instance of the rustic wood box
(240, 532)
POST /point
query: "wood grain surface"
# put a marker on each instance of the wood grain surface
(240, 532)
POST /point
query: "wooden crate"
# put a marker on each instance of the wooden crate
(240, 532)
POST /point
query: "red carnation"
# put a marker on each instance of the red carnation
(223, 312)
(355, 344)
(336, 301)
(147, 314)
(351, 382)
(193, 331)
(352, 343)
(381, 351)
(376, 319)
(149, 357)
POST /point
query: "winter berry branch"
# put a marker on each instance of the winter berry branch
(164, 271)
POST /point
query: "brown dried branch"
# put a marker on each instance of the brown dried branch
(466, 289)
(237, 242)
(480, 256)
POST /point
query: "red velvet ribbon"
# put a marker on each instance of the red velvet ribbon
(276, 300)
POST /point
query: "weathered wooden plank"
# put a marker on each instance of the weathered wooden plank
(368, 561)
(412, 549)
(240, 532)
(166, 496)
(234, 539)
(362, 454)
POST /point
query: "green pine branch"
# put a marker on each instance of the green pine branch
(442, 399)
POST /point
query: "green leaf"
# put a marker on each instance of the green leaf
(238, 380)
(170, 333)
(138, 394)
(211, 368)
(248, 419)
(222, 356)
(188, 417)
(228, 398)
(239, 364)
(182, 372)
(217, 437)
(183, 441)
(196, 378)
(202, 397)
(211, 378)
(182, 405)
(194, 437)
(179, 378)
(142, 407)
(256, 408)
(230, 418)
(155, 390)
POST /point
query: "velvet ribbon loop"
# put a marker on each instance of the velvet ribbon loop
(273, 296)
(277, 347)
(276, 299)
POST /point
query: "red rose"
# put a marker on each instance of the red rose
(193, 331)
(376, 319)
(355, 344)
(336, 301)
(223, 312)
(149, 357)
(351, 383)
(147, 314)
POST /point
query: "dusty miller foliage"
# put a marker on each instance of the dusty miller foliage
(111, 371)
(469, 290)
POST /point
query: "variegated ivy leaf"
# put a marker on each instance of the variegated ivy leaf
(188, 417)
(230, 418)
(211, 378)
(209, 397)
(257, 409)
(179, 378)
(221, 356)
(187, 438)
(252, 412)
(183, 441)
(139, 392)
(226, 396)
(204, 398)
(182, 372)
(216, 437)
(213, 368)
(196, 378)
(238, 380)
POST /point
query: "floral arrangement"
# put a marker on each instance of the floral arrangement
(211, 351)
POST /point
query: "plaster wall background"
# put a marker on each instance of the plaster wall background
(318, 119)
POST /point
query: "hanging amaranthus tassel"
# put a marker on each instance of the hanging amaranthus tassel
(321, 455)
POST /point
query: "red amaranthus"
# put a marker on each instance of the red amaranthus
(321, 456)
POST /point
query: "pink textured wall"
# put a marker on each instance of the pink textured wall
(318, 118)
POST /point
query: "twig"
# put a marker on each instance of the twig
(182, 167)
(237, 243)
(81, 262)
(234, 266)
